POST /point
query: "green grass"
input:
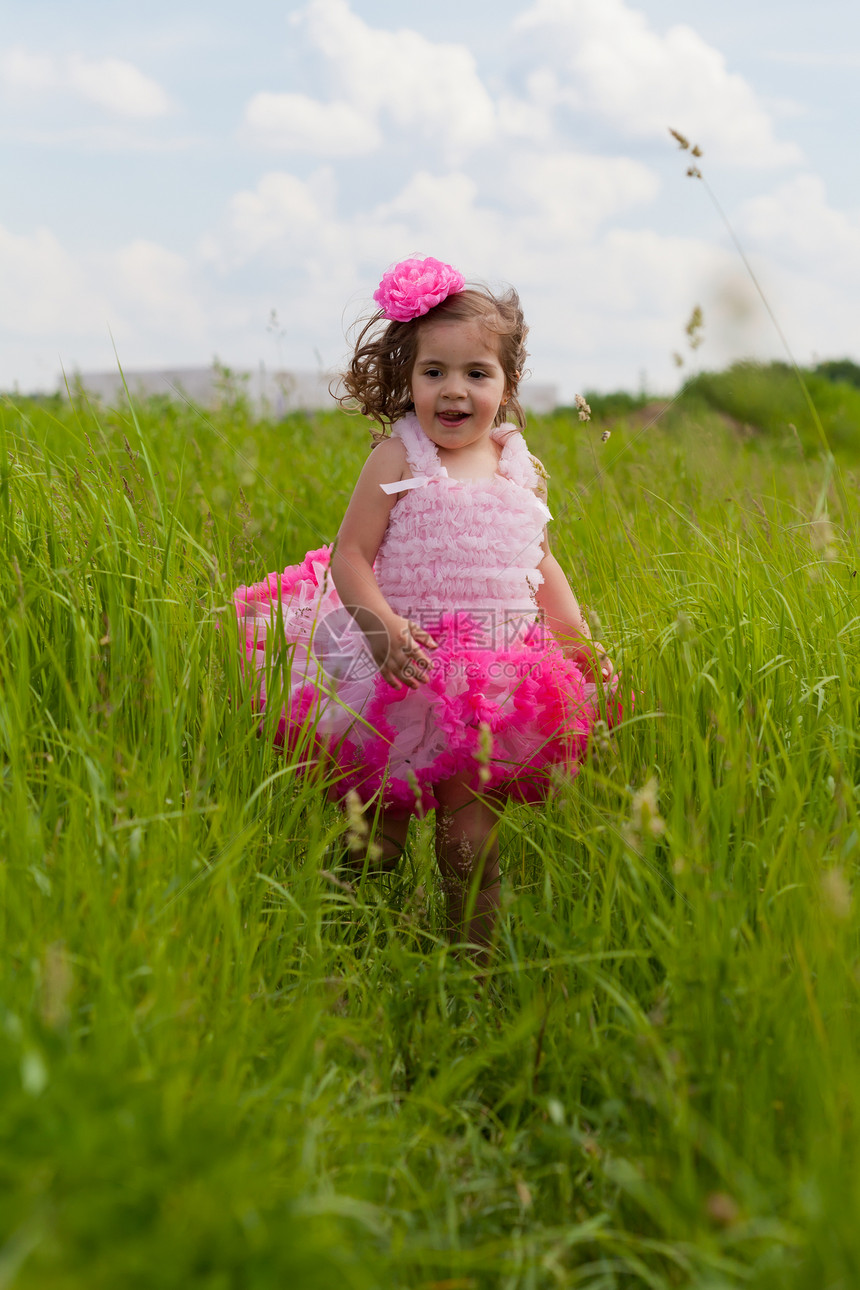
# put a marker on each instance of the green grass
(219, 1068)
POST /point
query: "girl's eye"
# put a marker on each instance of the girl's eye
(477, 374)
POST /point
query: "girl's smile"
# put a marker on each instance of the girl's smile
(457, 383)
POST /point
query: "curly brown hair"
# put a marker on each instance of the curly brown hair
(377, 381)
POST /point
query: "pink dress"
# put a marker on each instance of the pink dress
(502, 704)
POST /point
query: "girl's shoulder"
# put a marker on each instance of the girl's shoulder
(389, 449)
(388, 446)
(387, 459)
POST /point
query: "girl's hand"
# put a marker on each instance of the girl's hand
(401, 660)
(593, 660)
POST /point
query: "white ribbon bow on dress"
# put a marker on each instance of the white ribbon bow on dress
(417, 481)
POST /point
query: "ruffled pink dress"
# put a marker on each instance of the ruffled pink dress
(502, 704)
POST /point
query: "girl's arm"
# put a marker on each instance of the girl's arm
(562, 614)
(396, 650)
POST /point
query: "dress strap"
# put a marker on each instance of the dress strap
(515, 462)
(421, 452)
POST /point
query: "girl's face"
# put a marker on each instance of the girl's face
(457, 382)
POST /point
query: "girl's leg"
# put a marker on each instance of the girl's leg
(467, 852)
(389, 833)
(389, 836)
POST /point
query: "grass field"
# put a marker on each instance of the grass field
(220, 1068)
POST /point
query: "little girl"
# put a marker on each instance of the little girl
(438, 653)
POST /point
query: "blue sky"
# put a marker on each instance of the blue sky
(172, 177)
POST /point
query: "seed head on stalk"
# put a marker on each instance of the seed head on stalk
(695, 173)
(584, 410)
(357, 832)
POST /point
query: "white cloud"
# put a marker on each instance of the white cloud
(560, 200)
(619, 299)
(63, 309)
(600, 58)
(116, 85)
(399, 78)
(22, 70)
(429, 86)
(283, 217)
(428, 201)
(530, 118)
(573, 194)
(42, 284)
(301, 124)
(111, 83)
(608, 60)
(797, 225)
(156, 285)
(815, 58)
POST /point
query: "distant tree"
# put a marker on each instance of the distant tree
(840, 369)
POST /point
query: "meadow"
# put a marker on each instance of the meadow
(224, 1065)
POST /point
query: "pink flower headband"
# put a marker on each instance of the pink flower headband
(413, 287)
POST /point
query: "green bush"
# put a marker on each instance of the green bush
(769, 397)
(843, 370)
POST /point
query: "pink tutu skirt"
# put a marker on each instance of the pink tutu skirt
(501, 706)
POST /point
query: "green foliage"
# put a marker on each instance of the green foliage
(843, 370)
(769, 397)
(221, 1066)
